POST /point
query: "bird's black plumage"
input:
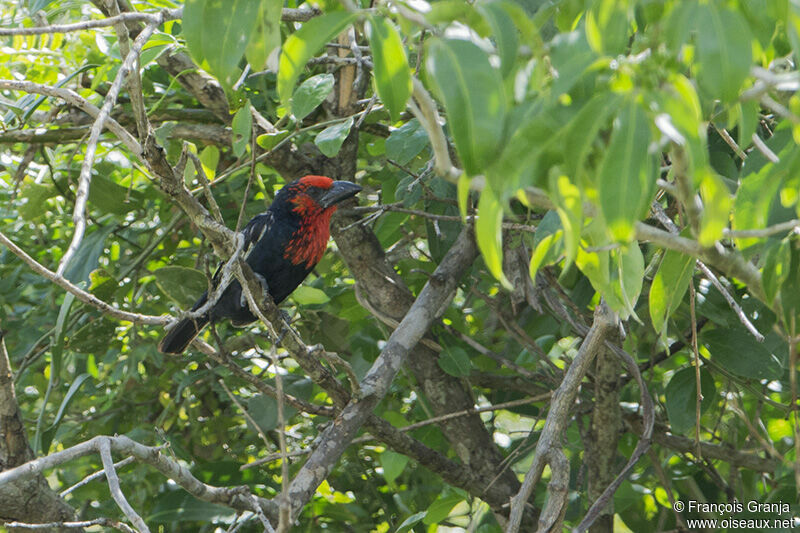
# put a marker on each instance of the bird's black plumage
(281, 245)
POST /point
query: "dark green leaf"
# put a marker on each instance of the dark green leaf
(455, 361)
(735, 350)
(681, 398)
(183, 285)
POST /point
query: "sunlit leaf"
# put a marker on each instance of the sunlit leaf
(392, 74)
(473, 96)
(303, 44)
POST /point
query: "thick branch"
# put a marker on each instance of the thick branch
(433, 298)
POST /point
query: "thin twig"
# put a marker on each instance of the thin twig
(764, 149)
(85, 178)
(79, 293)
(106, 522)
(104, 448)
(96, 475)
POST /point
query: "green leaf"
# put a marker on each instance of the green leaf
(393, 464)
(504, 32)
(86, 258)
(404, 143)
(183, 285)
(463, 195)
(681, 398)
(607, 27)
(473, 96)
(305, 295)
(571, 57)
(777, 263)
(489, 234)
(303, 44)
(310, 94)
(408, 524)
(217, 33)
(242, 129)
(735, 350)
(268, 141)
(669, 286)
(627, 284)
(724, 51)
(209, 157)
(625, 182)
(584, 128)
(760, 182)
(569, 206)
(455, 361)
(548, 244)
(392, 74)
(73, 388)
(716, 208)
(36, 197)
(330, 140)
(440, 508)
(110, 197)
(266, 36)
(94, 337)
(264, 411)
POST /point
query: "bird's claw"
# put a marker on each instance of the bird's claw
(264, 290)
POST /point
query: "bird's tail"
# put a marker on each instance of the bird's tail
(178, 338)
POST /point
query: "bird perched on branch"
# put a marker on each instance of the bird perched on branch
(281, 245)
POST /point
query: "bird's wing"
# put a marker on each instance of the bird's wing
(255, 229)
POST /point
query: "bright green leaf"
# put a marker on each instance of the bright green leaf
(330, 140)
(242, 129)
(266, 36)
(305, 295)
(310, 94)
(669, 286)
(473, 96)
(393, 464)
(303, 44)
(392, 73)
(716, 209)
(489, 234)
(217, 33)
(625, 182)
(724, 51)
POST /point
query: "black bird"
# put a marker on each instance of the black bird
(282, 245)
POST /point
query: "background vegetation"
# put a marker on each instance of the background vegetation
(594, 205)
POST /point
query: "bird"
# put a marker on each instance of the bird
(282, 245)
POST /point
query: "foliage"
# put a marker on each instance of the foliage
(600, 148)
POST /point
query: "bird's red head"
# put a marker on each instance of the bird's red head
(314, 199)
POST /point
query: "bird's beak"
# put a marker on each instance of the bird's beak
(339, 191)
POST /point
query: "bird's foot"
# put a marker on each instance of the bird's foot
(264, 290)
(286, 325)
